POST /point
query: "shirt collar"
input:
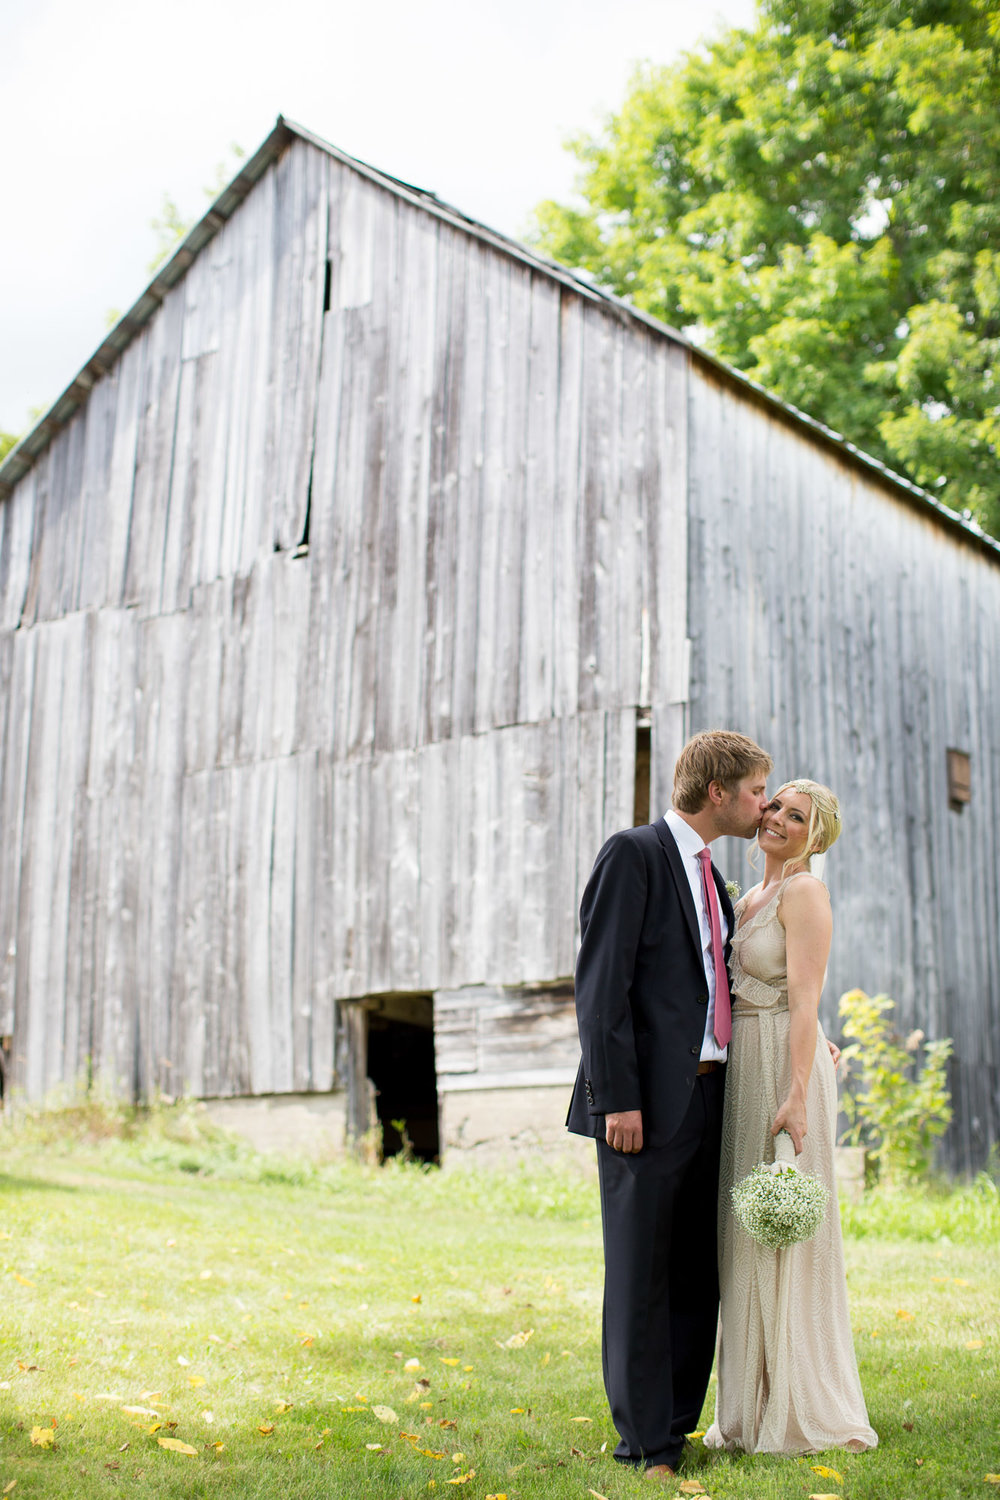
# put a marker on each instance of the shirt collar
(687, 840)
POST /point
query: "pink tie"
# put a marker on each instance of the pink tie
(723, 1013)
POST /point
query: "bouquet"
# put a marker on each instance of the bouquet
(778, 1205)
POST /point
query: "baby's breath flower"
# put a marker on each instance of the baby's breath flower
(778, 1205)
(733, 890)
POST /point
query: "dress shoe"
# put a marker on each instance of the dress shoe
(660, 1472)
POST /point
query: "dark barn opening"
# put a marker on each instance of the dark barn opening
(402, 1070)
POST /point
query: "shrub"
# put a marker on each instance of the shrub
(896, 1095)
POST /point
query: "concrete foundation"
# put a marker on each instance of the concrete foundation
(312, 1125)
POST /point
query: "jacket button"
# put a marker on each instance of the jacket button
(695, 1051)
(702, 999)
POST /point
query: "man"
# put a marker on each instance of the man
(652, 1001)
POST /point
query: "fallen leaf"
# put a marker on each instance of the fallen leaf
(416, 1298)
(960, 1282)
(374, 1447)
(825, 1473)
(516, 1340)
(140, 1411)
(903, 1315)
(176, 1446)
(907, 1426)
(692, 1487)
(974, 1344)
(503, 1496)
(413, 1364)
(43, 1437)
(458, 1458)
(8, 1487)
(217, 1446)
(463, 1478)
(149, 1395)
(384, 1413)
(23, 1280)
(824, 1497)
(517, 1411)
(283, 1406)
(581, 1419)
(265, 1429)
(306, 1340)
(987, 1479)
(196, 1380)
(596, 1495)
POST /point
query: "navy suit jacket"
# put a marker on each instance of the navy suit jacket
(641, 990)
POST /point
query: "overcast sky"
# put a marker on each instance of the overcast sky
(108, 105)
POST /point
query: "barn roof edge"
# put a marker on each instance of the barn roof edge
(21, 459)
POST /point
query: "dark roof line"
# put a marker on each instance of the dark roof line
(22, 458)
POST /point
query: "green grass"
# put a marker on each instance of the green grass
(164, 1268)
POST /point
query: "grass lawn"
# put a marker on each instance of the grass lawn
(357, 1332)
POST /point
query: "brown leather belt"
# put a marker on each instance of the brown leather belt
(709, 1067)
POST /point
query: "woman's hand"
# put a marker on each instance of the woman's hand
(792, 1117)
(834, 1053)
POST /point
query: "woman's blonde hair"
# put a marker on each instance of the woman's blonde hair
(824, 815)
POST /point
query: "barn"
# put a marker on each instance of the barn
(371, 572)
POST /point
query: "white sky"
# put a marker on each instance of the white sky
(108, 105)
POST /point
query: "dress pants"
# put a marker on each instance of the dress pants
(661, 1280)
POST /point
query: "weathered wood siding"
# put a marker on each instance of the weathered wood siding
(323, 625)
(858, 640)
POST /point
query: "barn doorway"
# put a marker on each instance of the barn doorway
(401, 1069)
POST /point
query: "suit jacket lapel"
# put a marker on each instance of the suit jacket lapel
(676, 864)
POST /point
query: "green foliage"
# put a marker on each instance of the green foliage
(8, 440)
(170, 225)
(896, 1110)
(817, 200)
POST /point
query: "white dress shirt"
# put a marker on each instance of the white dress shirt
(690, 845)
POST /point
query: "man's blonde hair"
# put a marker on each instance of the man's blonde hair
(719, 755)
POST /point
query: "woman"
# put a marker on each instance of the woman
(787, 1375)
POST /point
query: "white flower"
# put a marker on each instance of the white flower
(778, 1205)
(733, 890)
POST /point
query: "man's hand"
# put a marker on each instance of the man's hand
(834, 1053)
(624, 1131)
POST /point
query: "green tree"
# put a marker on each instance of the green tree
(817, 201)
(8, 440)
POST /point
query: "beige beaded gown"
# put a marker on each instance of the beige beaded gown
(787, 1376)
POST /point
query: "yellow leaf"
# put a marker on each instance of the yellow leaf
(904, 1315)
(417, 1298)
(458, 1458)
(974, 1344)
(23, 1280)
(581, 1419)
(384, 1413)
(449, 1361)
(154, 1428)
(306, 1340)
(217, 1446)
(463, 1478)
(43, 1437)
(196, 1380)
(959, 1281)
(265, 1429)
(824, 1497)
(516, 1340)
(825, 1473)
(692, 1487)
(283, 1406)
(517, 1411)
(503, 1496)
(987, 1479)
(693, 1435)
(426, 1405)
(8, 1487)
(374, 1447)
(140, 1411)
(176, 1446)
(597, 1495)
(544, 1361)
(149, 1395)
(413, 1364)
